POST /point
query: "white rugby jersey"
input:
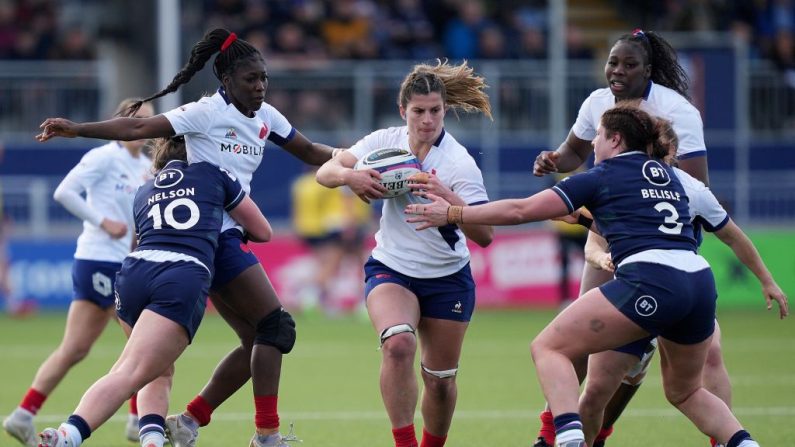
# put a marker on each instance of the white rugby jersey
(109, 176)
(704, 206)
(216, 132)
(434, 252)
(658, 100)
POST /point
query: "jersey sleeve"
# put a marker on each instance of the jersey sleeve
(233, 190)
(704, 206)
(367, 143)
(91, 168)
(195, 117)
(281, 131)
(690, 129)
(580, 189)
(584, 128)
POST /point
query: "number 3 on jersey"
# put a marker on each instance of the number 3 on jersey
(672, 218)
(168, 215)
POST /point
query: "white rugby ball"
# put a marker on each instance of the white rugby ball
(395, 165)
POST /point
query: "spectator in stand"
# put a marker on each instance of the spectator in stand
(74, 44)
(461, 36)
(347, 32)
(409, 31)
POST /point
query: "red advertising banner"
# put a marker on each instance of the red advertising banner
(517, 269)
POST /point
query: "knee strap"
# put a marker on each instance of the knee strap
(444, 374)
(277, 329)
(394, 330)
(638, 372)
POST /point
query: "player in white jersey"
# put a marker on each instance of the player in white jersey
(662, 287)
(607, 370)
(228, 129)
(641, 66)
(421, 281)
(109, 175)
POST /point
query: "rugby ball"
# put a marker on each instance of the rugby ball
(395, 166)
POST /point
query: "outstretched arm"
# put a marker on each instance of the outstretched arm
(125, 129)
(310, 153)
(746, 252)
(541, 206)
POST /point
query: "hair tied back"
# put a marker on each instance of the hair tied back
(231, 38)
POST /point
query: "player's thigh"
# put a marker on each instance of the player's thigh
(242, 327)
(441, 342)
(682, 365)
(590, 324)
(250, 295)
(390, 304)
(85, 322)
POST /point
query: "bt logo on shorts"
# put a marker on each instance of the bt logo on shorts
(457, 308)
(646, 305)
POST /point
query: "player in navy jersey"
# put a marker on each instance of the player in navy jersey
(108, 176)
(228, 129)
(641, 66)
(607, 369)
(662, 286)
(162, 287)
(420, 282)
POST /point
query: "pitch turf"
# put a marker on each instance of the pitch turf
(330, 383)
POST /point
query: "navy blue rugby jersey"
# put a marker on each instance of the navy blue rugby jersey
(638, 204)
(181, 209)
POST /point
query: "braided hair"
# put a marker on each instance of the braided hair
(665, 67)
(459, 87)
(232, 51)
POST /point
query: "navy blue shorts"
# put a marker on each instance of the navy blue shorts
(450, 297)
(674, 304)
(232, 258)
(175, 290)
(637, 347)
(93, 281)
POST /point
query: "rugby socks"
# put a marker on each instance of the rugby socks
(602, 436)
(405, 436)
(568, 428)
(152, 430)
(134, 404)
(547, 427)
(267, 415)
(713, 442)
(200, 410)
(429, 440)
(76, 430)
(33, 401)
(741, 439)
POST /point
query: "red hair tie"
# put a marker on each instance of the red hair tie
(232, 37)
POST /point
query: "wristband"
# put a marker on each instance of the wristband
(584, 221)
(455, 214)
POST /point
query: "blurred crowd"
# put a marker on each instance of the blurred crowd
(413, 29)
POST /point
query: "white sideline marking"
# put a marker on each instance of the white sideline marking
(459, 414)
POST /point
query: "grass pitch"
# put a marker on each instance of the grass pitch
(330, 383)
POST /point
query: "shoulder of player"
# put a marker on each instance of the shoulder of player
(668, 100)
(455, 155)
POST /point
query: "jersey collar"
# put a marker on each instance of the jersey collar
(439, 140)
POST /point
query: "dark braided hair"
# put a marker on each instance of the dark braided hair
(665, 68)
(637, 128)
(233, 53)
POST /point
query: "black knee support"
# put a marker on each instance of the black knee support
(277, 329)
